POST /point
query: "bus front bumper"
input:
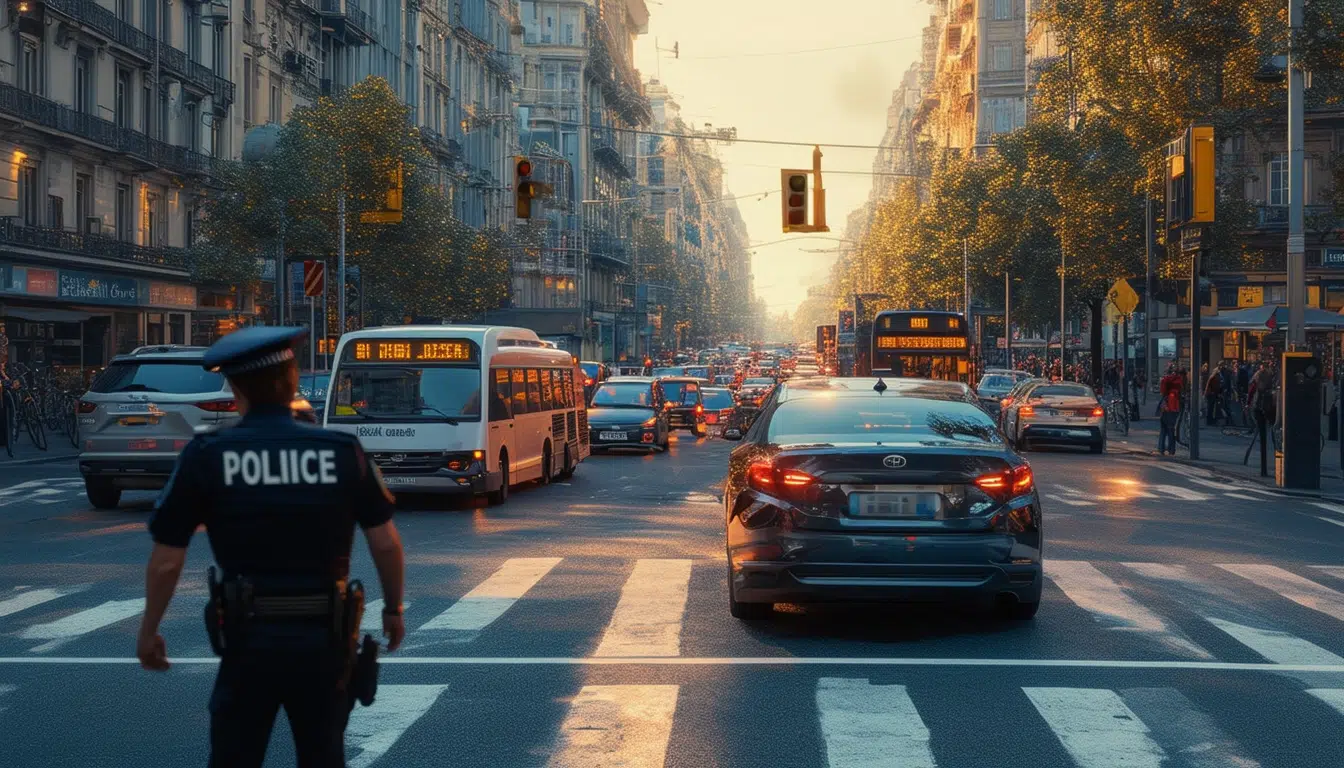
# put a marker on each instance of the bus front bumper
(441, 482)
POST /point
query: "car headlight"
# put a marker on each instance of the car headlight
(652, 422)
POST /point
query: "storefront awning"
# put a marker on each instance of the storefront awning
(1259, 319)
(45, 315)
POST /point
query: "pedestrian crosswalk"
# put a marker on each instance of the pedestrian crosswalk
(45, 491)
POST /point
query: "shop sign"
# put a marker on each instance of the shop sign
(172, 295)
(1333, 257)
(83, 286)
(31, 281)
(1250, 295)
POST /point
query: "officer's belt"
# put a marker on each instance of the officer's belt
(291, 606)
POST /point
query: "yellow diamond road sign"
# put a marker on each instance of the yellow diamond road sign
(1124, 297)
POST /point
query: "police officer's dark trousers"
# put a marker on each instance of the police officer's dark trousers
(249, 691)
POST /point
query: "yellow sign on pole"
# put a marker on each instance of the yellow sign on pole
(1124, 297)
(1250, 295)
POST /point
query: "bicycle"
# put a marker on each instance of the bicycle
(27, 410)
(1117, 415)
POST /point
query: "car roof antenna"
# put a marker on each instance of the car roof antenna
(880, 386)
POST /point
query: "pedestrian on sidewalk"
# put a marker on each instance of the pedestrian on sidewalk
(1169, 405)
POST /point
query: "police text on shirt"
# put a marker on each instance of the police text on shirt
(285, 467)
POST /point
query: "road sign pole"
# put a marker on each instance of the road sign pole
(1195, 383)
(312, 334)
(326, 350)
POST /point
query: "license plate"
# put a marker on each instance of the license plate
(398, 480)
(611, 436)
(916, 506)
(137, 421)
(143, 445)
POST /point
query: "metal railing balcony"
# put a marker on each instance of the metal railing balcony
(604, 246)
(51, 115)
(97, 246)
(357, 26)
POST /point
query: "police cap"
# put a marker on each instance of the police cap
(252, 349)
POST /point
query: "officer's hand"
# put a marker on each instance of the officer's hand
(152, 652)
(394, 629)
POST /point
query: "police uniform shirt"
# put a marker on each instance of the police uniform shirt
(276, 497)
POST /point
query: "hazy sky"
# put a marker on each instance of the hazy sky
(836, 96)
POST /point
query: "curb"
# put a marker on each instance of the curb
(39, 460)
(1216, 469)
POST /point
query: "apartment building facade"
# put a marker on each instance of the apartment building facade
(113, 115)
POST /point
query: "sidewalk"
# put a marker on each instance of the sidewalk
(1224, 454)
(58, 449)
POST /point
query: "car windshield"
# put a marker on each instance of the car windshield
(1063, 390)
(174, 377)
(998, 382)
(759, 383)
(313, 386)
(879, 419)
(393, 392)
(685, 392)
(698, 372)
(718, 399)
(666, 371)
(590, 370)
(623, 395)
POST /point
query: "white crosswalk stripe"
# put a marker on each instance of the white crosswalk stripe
(1304, 592)
(373, 615)
(63, 630)
(487, 602)
(373, 730)
(1332, 696)
(871, 726)
(647, 619)
(1096, 728)
(1278, 647)
(30, 599)
(1098, 594)
(616, 726)
(1069, 501)
(1185, 733)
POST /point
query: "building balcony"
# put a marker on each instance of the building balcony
(604, 248)
(606, 152)
(348, 22)
(439, 145)
(61, 242)
(46, 114)
(104, 23)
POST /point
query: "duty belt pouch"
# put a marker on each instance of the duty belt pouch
(364, 682)
(214, 612)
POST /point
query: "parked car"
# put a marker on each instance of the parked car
(627, 412)
(907, 494)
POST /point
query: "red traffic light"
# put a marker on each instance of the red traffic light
(797, 217)
(795, 201)
(524, 168)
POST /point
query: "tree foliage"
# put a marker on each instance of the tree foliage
(430, 265)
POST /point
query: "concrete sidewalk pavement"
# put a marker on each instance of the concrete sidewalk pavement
(1224, 450)
(58, 449)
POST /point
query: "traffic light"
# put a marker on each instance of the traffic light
(794, 201)
(525, 190)
(1190, 178)
(394, 189)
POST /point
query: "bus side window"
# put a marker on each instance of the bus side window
(499, 396)
(547, 395)
(567, 386)
(533, 391)
(518, 398)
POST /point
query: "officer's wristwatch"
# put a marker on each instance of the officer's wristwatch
(396, 610)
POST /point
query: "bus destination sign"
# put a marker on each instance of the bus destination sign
(411, 351)
(921, 342)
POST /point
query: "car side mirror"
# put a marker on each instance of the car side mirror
(732, 433)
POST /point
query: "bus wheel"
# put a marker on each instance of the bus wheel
(502, 495)
(568, 470)
(546, 463)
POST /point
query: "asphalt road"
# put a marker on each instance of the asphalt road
(1185, 622)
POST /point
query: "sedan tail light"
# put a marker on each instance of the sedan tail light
(1097, 413)
(86, 407)
(1005, 485)
(218, 406)
(699, 408)
(1026, 410)
(765, 476)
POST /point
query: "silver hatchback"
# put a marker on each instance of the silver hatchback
(141, 412)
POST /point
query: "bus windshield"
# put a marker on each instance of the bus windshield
(386, 392)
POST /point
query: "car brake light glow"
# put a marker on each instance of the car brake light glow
(1005, 401)
(796, 479)
(587, 382)
(1007, 484)
(699, 408)
(761, 476)
(87, 407)
(1026, 410)
(1098, 413)
(219, 406)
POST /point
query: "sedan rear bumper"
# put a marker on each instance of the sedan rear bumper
(1062, 434)
(778, 582)
(147, 472)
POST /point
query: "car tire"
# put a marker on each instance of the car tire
(1099, 447)
(700, 430)
(502, 495)
(746, 611)
(1020, 443)
(546, 464)
(102, 494)
(1018, 611)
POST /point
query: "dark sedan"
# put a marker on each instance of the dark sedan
(684, 405)
(859, 492)
(627, 412)
(720, 408)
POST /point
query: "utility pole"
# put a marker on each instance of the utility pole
(1150, 359)
(1007, 322)
(1297, 254)
(1063, 344)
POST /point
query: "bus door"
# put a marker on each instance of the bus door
(499, 436)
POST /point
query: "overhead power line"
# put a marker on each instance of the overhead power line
(795, 52)
(738, 140)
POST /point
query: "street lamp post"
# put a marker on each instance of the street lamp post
(1062, 344)
(1297, 256)
(1007, 322)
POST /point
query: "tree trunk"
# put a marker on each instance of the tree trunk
(1095, 306)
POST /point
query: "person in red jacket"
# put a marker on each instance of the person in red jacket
(1169, 409)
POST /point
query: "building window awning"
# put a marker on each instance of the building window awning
(45, 315)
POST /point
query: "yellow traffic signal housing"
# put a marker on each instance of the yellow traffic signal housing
(1202, 193)
(793, 202)
(395, 189)
(524, 189)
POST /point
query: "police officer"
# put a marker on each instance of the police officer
(279, 501)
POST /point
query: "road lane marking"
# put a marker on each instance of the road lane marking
(1278, 647)
(373, 615)
(1332, 696)
(30, 599)
(77, 624)
(1185, 732)
(1330, 520)
(746, 661)
(1332, 570)
(1304, 592)
(871, 726)
(616, 726)
(647, 619)
(373, 730)
(491, 598)
(1066, 500)
(1327, 506)
(1241, 496)
(1098, 594)
(1096, 728)
(1184, 494)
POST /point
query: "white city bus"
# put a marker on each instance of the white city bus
(460, 409)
